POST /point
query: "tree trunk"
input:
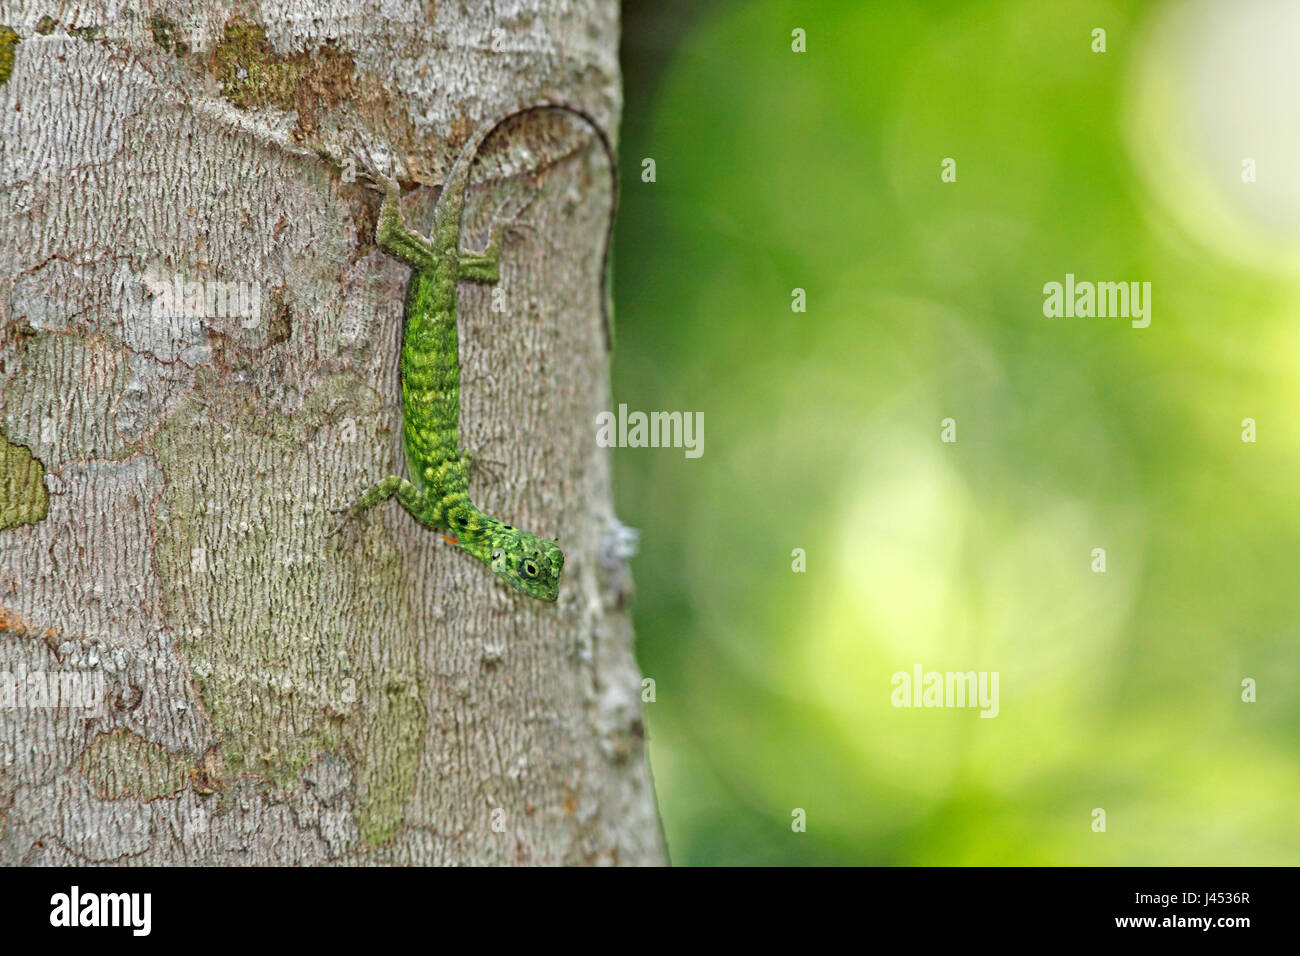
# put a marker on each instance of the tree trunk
(200, 359)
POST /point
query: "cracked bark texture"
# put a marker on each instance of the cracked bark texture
(190, 672)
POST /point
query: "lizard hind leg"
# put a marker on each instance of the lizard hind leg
(485, 265)
(473, 464)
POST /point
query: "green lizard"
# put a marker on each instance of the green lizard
(436, 493)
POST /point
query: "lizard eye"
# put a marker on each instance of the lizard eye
(528, 569)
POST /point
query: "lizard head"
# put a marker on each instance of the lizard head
(531, 564)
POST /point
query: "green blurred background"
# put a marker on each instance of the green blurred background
(821, 171)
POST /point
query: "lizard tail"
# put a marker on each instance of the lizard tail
(458, 179)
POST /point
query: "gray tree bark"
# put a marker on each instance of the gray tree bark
(199, 359)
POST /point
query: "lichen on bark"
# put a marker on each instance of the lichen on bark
(23, 496)
(8, 41)
(276, 622)
(251, 74)
(124, 764)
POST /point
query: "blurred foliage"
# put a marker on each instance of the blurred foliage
(1121, 690)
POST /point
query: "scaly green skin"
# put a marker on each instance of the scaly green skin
(436, 493)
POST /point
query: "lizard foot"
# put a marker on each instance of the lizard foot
(346, 512)
(514, 223)
(370, 169)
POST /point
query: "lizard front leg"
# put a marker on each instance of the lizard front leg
(399, 240)
(411, 498)
(392, 234)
